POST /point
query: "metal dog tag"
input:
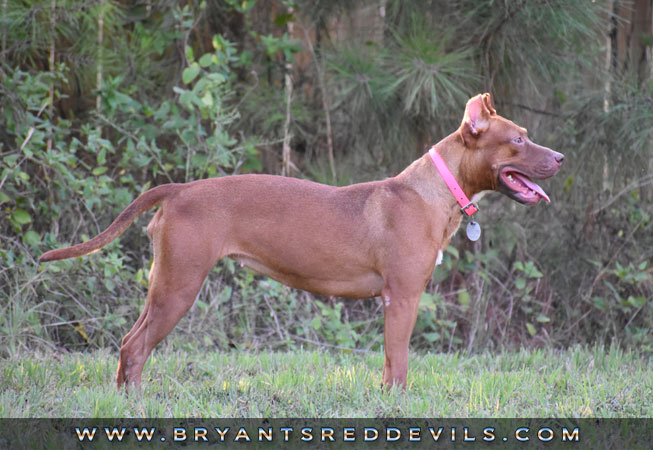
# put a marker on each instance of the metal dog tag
(473, 231)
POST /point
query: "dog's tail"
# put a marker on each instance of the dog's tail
(144, 202)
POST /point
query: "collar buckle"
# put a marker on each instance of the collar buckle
(470, 209)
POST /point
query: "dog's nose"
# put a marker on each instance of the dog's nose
(559, 157)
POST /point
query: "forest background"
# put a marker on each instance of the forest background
(102, 99)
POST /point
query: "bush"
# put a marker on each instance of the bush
(197, 91)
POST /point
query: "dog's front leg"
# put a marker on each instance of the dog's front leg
(400, 311)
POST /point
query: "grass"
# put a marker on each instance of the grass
(188, 382)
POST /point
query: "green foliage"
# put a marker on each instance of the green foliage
(430, 77)
(196, 89)
(52, 166)
(402, 89)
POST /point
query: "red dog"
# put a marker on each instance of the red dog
(379, 238)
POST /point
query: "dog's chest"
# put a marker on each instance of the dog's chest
(452, 226)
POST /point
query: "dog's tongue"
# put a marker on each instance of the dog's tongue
(531, 185)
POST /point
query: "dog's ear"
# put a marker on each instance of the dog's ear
(489, 104)
(477, 115)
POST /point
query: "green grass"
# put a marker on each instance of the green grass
(541, 383)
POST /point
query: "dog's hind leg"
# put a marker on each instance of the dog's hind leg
(136, 324)
(180, 266)
(150, 231)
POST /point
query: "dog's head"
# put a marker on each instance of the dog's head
(503, 150)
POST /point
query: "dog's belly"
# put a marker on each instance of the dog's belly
(352, 284)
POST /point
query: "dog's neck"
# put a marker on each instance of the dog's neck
(425, 179)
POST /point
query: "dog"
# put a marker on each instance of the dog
(359, 241)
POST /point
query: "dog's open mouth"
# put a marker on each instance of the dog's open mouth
(521, 187)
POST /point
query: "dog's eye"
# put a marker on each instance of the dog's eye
(518, 140)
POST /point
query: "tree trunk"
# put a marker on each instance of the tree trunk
(642, 31)
(4, 29)
(628, 51)
(285, 156)
(53, 31)
(325, 105)
(100, 39)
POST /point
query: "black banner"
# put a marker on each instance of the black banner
(402, 433)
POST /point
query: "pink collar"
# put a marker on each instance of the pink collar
(466, 206)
